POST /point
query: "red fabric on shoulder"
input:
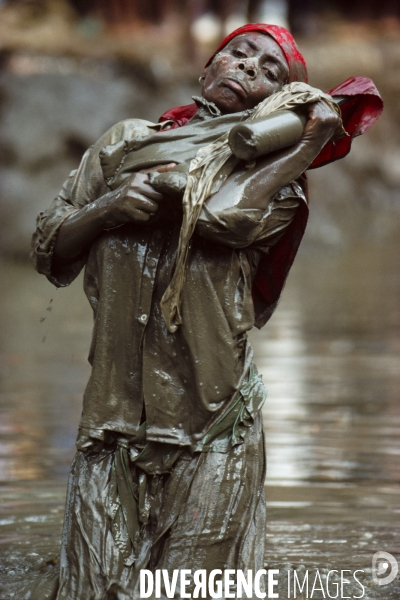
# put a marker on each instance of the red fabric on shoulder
(180, 115)
(360, 111)
(274, 267)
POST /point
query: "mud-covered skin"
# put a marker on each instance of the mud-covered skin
(250, 68)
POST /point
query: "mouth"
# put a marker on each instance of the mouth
(235, 85)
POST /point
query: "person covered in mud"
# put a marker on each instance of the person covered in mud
(170, 463)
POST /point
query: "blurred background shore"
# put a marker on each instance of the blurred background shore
(330, 356)
(69, 70)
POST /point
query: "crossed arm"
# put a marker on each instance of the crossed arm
(137, 201)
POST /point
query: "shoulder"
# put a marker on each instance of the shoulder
(123, 131)
(128, 129)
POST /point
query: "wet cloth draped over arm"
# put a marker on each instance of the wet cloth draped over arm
(208, 171)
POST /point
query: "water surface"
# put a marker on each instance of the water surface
(330, 360)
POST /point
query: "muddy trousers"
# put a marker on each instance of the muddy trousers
(208, 513)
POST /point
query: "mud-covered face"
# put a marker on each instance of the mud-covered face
(248, 69)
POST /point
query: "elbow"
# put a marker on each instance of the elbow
(233, 227)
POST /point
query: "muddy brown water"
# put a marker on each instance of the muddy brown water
(330, 358)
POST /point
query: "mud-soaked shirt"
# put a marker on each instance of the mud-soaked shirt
(181, 383)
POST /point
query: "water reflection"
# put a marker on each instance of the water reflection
(43, 371)
(329, 358)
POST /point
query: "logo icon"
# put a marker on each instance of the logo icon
(384, 563)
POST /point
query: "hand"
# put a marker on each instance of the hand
(135, 200)
(323, 124)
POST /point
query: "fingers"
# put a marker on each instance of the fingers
(159, 168)
(148, 191)
(136, 199)
(140, 215)
(139, 184)
(142, 202)
(323, 122)
(165, 168)
(323, 112)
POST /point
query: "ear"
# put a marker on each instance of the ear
(203, 76)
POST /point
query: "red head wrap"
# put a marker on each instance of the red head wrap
(284, 39)
(361, 110)
(297, 65)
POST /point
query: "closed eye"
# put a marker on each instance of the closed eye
(271, 75)
(239, 53)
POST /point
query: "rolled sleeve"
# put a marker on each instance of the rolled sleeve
(75, 193)
(43, 241)
(241, 227)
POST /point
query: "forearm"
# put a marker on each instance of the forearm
(133, 202)
(258, 204)
(80, 229)
(254, 189)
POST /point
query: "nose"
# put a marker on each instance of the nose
(249, 66)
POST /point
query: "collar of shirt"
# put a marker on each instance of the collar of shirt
(209, 110)
(206, 109)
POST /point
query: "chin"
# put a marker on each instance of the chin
(228, 102)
